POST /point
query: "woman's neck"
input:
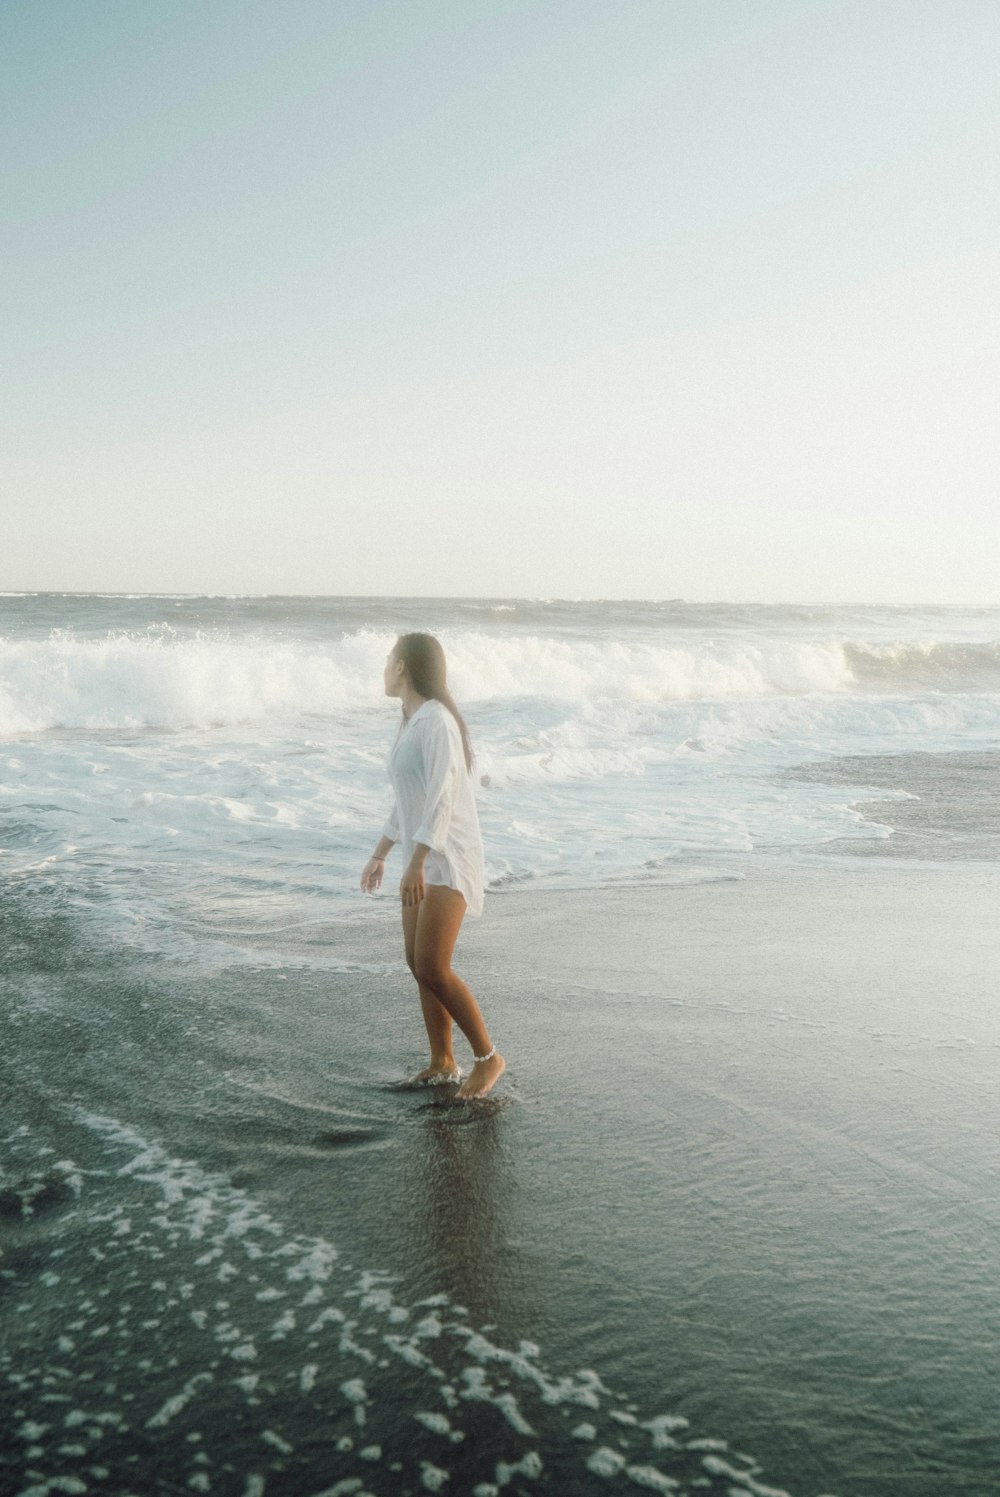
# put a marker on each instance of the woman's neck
(411, 701)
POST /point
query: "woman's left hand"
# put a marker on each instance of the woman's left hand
(411, 888)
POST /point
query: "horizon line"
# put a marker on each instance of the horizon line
(179, 595)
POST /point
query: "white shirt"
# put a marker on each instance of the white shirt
(435, 803)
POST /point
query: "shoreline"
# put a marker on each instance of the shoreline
(944, 807)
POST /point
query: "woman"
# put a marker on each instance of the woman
(434, 817)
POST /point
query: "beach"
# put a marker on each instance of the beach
(729, 1222)
(573, 423)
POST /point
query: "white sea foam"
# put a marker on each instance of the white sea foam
(127, 682)
(179, 1401)
(605, 1461)
(651, 1479)
(745, 1479)
(158, 679)
(433, 1478)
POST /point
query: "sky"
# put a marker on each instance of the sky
(534, 298)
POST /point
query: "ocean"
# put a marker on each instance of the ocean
(239, 1258)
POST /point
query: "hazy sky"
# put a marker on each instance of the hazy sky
(620, 298)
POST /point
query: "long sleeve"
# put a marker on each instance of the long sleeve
(391, 828)
(440, 769)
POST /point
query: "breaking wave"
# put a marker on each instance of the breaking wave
(159, 679)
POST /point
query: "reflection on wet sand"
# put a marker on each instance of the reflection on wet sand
(462, 1207)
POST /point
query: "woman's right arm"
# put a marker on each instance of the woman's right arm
(371, 874)
(374, 869)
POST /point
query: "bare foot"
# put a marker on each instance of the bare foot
(482, 1078)
(445, 1074)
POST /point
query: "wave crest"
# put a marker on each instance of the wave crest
(930, 666)
(160, 679)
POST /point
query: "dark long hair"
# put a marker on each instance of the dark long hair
(424, 662)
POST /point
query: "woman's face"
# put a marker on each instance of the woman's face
(393, 674)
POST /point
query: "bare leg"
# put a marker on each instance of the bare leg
(438, 920)
(437, 1020)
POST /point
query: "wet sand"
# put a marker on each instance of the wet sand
(743, 1168)
(796, 1158)
(945, 807)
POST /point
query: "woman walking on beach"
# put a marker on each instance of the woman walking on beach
(434, 817)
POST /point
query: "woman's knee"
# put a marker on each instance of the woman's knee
(430, 971)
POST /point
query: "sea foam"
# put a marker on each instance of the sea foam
(159, 679)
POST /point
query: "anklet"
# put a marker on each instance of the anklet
(480, 1058)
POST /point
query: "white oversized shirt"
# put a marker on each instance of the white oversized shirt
(435, 803)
